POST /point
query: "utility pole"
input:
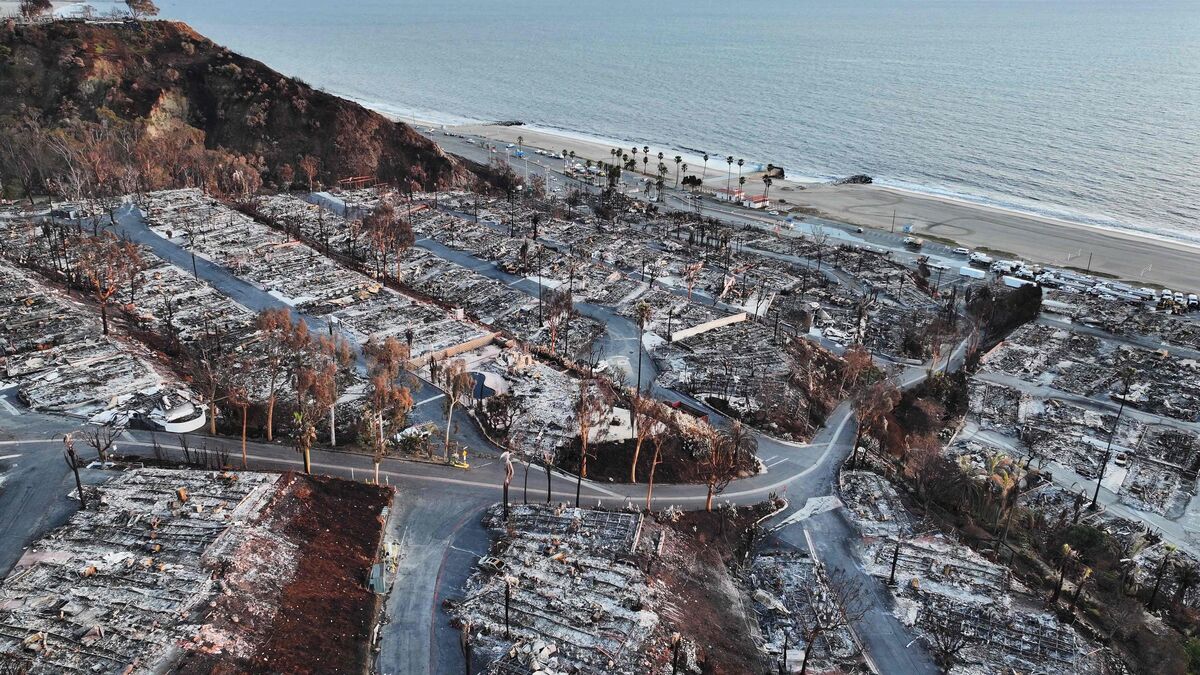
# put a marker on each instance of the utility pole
(1126, 378)
(895, 558)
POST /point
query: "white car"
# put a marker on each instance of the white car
(773, 213)
(962, 250)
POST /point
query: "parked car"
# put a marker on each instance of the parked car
(962, 250)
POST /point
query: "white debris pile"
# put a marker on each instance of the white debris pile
(546, 396)
(295, 273)
(932, 563)
(874, 505)
(54, 350)
(573, 606)
(329, 230)
(792, 598)
(945, 588)
(128, 580)
(1004, 640)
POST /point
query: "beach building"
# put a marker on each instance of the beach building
(728, 195)
(756, 202)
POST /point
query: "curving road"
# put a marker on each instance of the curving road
(438, 506)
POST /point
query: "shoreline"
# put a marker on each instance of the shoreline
(1136, 256)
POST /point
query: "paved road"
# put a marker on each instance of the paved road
(1098, 403)
(1139, 341)
(36, 486)
(442, 504)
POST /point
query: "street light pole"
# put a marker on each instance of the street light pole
(1126, 377)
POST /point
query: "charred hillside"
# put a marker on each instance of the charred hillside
(161, 80)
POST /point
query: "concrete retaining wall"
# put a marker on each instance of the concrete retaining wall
(705, 327)
(443, 354)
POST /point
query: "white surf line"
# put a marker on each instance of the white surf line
(10, 456)
(429, 400)
(9, 407)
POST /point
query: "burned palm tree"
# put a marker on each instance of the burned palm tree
(73, 462)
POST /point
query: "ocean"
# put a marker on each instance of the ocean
(1087, 110)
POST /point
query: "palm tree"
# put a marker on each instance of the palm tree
(728, 171)
(1162, 568)
(1068, 555)
(645, 163)
(1186, 578)
(1083, 579)
(635, 152)
(643, 313)
(766, 185)
(683, 167)
(705, 165)
(740, 163)
(520, 142)
(742, 183)
(678, 161)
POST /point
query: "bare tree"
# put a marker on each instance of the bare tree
(314, 395)
(31, 9)
(308, 166)
(238, 388)
(594, 402)
(338, 360)
(274, 325)
(73, 462)
(845, 603)
(691, 274)
(141, 9)
(858, 363)
(644, 425)
(658, 440)
(720, 465)
(946, 638)
(558, 307)
(106, 265)
(457, 383)
(101, 438)
(870, 410)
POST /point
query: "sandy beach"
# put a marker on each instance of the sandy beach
(1137, 258)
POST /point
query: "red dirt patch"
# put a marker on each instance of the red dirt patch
(611, 461)
(325, 612)
(708, 605)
